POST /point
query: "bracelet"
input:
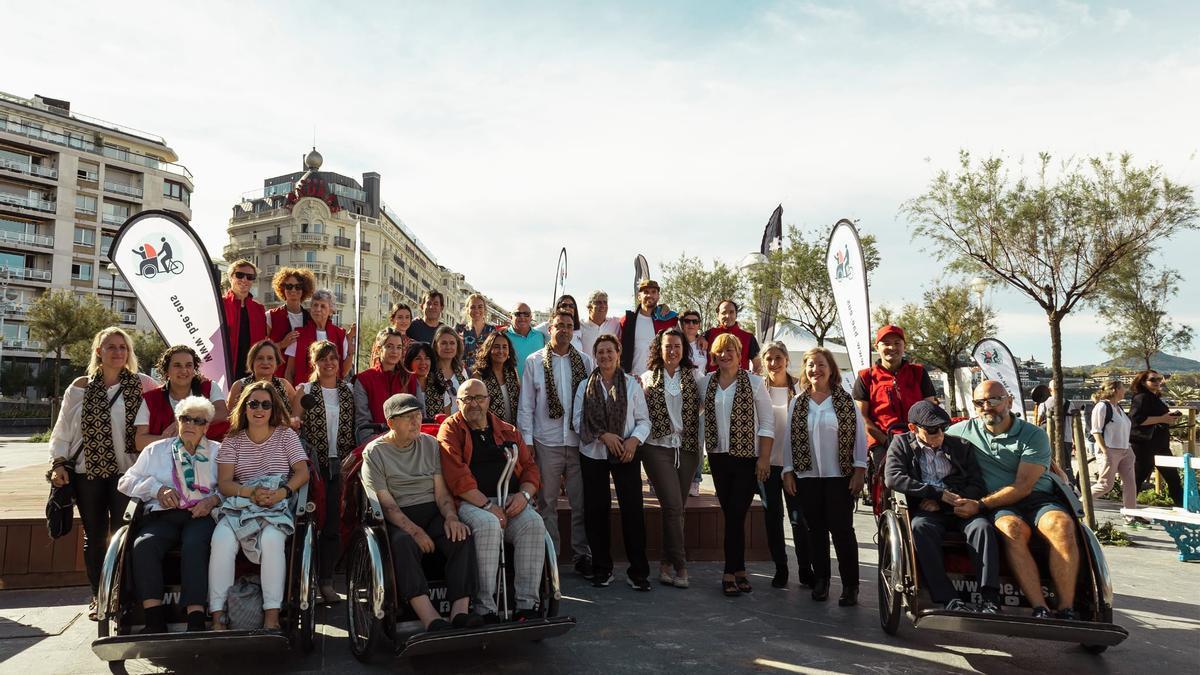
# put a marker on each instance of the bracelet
(288, 491)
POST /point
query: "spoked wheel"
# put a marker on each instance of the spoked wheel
(307, 625)
(548, 603)
(361, 624)
(891, 600)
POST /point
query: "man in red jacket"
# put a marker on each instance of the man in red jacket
(885, 391)
(640, 325)
(727, 314)
(473, 443)
(245, 318)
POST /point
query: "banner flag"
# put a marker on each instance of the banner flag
(848, 276)
(997, 363)
(772, 237)
(168, 269)
(560, 277)
(641, 270)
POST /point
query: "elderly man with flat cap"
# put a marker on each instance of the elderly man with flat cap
(936, 472)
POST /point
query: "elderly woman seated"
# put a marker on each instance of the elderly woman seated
(176, 480)
(403, 469)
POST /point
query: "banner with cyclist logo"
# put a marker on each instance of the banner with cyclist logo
(997, 363)
(848, 277)
(167, 267)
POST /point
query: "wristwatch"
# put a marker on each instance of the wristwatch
(288, 490)
(528, 497)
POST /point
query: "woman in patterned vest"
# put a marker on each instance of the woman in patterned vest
(95, 433)
(263, 362)
(672, 452)
(739, 429)
(325, 406)
(496, 365)
(385, 378)
(825, 448)
(447, 373)
(418, 360)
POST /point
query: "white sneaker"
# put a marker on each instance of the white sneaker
(695, 490)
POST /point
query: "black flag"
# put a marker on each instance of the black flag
(772, 234)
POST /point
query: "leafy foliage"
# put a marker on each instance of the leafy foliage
(688, 284)
(60, 319)
(1135, 302)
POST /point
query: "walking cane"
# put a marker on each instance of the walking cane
(510, 452)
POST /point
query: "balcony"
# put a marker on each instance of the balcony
(274, 240)
(14, 310)
(398, 260)
(113, 219)
(340, 298)
(128, 317)
(27, 345)
(29, 169)
(87, 176)
(28, 202)
(86, 145)
(27, 273)
(342, 271)
(7, 237)
(366, 247)
(122, 189)
(396, 285)
(366, 273)
(344, 242)
(105, 284)
(310, 239)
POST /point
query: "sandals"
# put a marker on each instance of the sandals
(743, 584)
(92, 609)
(729, 588)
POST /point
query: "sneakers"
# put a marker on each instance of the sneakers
(602, 579)
(989, 607)
(1067, 614)
(466, 620)
(849, 596)
(526, 615)
(666, 577)
(780, 580)
(640, 584)
(957, 605)
(1041, 613)
(694, 491)
(583, 567)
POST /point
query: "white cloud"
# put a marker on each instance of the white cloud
(993, 18)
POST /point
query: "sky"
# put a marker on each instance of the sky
(505, 131)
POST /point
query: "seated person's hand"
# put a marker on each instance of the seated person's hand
(204, 507)
(423, 541)
(930, 505)
(456, 530)
(967, 508)
(516, 504)
(495, 510)
(950, 498)
(260, 496)
(167, 497)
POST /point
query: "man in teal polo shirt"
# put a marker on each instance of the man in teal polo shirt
(525, 340)
(1014, 457)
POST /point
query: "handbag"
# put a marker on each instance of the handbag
(60, 506)
(244, 604)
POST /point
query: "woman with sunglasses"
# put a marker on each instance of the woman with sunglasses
(565, 303)
(245, 318)
(180, 368)
(474, 329)
(1151, 435)
(384, 379)
(176, 480)
(418, 360)
(260, 464)
(497, 367)
(697, 346)
(293, 286)
(263, 362)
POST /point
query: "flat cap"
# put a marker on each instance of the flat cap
(926, 414)
(400, 404)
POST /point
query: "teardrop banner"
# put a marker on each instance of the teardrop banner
(560, 278)
(997, 363)
(641, 271)
(169, 270)
(772, 239)
(848, 276)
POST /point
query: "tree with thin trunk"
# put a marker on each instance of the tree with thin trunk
(1054, 236)
(688, 284)
(1135, 305)
(59, 319)
(942, 329)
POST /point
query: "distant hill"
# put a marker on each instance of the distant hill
(1160, 361)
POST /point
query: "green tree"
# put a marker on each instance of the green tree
(60, 319)
(688, 284)
(366, 338)
(1053, 237)
(942, 329)
(796, 281)
(1135, 302)
(149, 347)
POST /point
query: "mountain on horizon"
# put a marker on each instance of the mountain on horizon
(1160, 361)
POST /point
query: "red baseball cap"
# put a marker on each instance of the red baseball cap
(887, 330)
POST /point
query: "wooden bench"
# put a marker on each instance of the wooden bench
(1183, 524)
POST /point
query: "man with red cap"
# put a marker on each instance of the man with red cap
(885, 391)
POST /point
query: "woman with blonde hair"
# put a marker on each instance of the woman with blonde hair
(1110, 427)
(95, 436)
(475, 328)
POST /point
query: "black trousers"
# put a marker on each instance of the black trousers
(101, 508)
(1143, 468)
(929, 529)
(161, 532)
(461, 575)
(774, 500)
(829, 509)
(734, 479)
(329, 544)
(597, 505)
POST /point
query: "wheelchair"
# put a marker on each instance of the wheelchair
(900, 586)
(375, 612)
(119, 614)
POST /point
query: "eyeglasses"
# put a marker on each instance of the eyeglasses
(522, 313)
(934, 430)
(198, 421)
(690, 322)
(991, 401)
(249, 276)
(256, 404)
(293, 287)
(480, 398)
(567, 305)
(1154, 379)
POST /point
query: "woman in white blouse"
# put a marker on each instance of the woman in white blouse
(176, 479)
(1110, 427)
(94, 434)
(825, 454)
(739, 430)
(447, 373)
(611, 420)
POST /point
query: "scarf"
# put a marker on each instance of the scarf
(660, 417)
(578, 374)
(741, 417)
(603, 412)
(496, 396)
(193, 474)
(847, 428)
(96, 422)
(436, 388)
(316, 434)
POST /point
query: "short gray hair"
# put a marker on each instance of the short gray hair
(195, 404)
(323, 294)
(596, 295)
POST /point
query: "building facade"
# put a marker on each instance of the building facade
(67, 183)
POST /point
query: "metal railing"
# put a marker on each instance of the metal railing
(27, 273)
(29, 345)
(128, 317)
(342, 271)
(28, 202)
(89, 146)
(30, 168)
(25, 238)
(310, 238)
(344, 242)
(123, 189)
(91, 176)
(274, 240)
(113, 219)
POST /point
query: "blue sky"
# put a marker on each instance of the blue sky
(619, 128)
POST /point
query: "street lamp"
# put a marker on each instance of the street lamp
(979, 285)
(112, 285)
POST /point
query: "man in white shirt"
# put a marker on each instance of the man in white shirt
(544, 419)
(639, 327)
(597, 322)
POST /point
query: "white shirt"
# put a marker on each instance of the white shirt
(643, 336)
(295, 320)
(699, 359)
(764, 418)
(588, 331)
(673, 395)
(67, 433)
(1116, 434)
(823, 440)
(576, 340)
(155, 467)
(779, 406)
(533, 415)
(143, 414)
(321, 335)
(331, 413)
(637, 418)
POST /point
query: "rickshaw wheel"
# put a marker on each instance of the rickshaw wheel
(362, 627)
(891, 602)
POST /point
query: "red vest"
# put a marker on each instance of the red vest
(233, 326)
(308, 335)
(739, 333)
(891, 395)
(158, 402)
(280, 327)
(381, 386)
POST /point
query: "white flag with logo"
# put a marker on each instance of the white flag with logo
(997, 363)
(848, 277)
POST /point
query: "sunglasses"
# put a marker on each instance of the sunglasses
(991, 401)
(690, 321)
(522, 313)
(198, 421)
(256, 404)
(566, 305)
(1154, 379)
(473, 399)
(293, 287)
(249, 276)
(934, 430)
